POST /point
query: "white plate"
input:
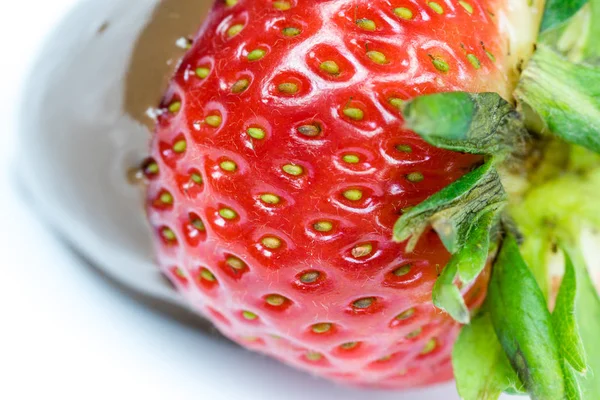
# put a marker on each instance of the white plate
(82, 126)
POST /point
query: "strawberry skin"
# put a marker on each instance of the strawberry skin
(279, 167)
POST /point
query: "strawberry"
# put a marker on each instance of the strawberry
(280, 164)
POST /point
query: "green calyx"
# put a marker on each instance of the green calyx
(564, 95)
(523, 324)
(476, 123)
(558, 12)
(466, 265)
(481, 367)
(452, 210)
(560, 87)
(514, 344)
(464, 214)
(542, 152)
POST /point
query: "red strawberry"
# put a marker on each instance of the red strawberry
(283, 166)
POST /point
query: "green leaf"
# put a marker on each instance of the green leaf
(535, 250)
(573, 28)
(572, 387)
(481, 368)
(564, 322)
(473, 256)
(452, 210)
(523, 324)
(478, 123)
(564, 95)
(447, 297)
(558, 12)
(587, 311)
(592, 45)
(467, 264)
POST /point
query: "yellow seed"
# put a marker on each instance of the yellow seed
(429, 347)
(228, 166)
(271, 242)
(436, 7)
(405, 314)
(235, 263)
(351, 158)
(405, 269)
(366, 24)
(179, 273)
(310, 277)
(323, 226)
(256, 54)
(474, 61)
(207, 275)
(294, 170)
(175, 106)
(353, 194)
(282, 5)
(275, 300)
(354, 113)
(234, 30)
(197, 178)
(404, 148)
(404, 13)
(310, 130)
(202, 72)
(198, 224)
(230, 3)
(151, 168)
(166, 198)
(288, 88)
(240, 86)
(291, 31)
(321, 328)
(180, 146)
(415, 177)
(249, 315)
(468, 8)
(330, 67)
(213, 120)
(396, 102)
(313, 356)
(349, 345)
(363, 303)
(256, 133)
(362, 250)
(168, 234)
(377, 57)
(270, 198)
(440, 64)
(227, 213)
(414, 333)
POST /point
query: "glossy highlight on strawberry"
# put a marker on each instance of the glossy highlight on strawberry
(280, 165)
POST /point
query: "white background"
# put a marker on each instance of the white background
(65, 332)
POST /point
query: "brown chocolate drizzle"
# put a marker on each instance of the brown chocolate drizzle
(155, 54)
